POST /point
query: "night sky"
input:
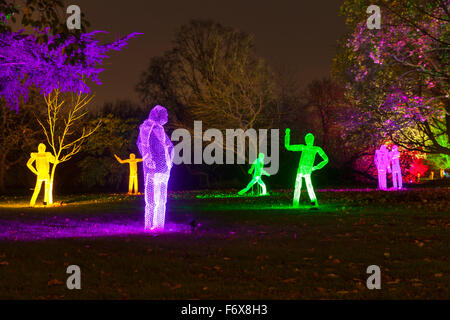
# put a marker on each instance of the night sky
(296, 35)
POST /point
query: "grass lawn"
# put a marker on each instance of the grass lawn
(243, 248)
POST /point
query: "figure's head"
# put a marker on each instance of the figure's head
(383, 148)
(132, 156)
(41, 147)
(394, 148)
(261, 156)
(159, 115)
(309, 139)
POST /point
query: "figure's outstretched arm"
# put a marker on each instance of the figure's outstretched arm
(139, 160)
(287, 142)
(120, 160)
(30, 165)
(323, 162)
(265, 173)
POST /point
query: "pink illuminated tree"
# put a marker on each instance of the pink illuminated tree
(398, 76)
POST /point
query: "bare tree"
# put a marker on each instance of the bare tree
(212, 74)
(61, 128)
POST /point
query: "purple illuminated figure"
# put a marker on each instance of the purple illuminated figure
(382, 164)
(394, 157)
(157, 152)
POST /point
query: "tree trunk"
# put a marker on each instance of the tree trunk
(324, 127)
(50, 188)
(2, 172)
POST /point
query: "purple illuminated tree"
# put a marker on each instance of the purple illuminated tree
(26, 61)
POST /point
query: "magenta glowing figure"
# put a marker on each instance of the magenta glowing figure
(394, 157)
(382, 164)
(156, 149)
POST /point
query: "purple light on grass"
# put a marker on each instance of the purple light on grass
(69, 228)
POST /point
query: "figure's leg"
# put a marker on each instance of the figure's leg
(263, 186)
(46, 192)
(382, 185)
(379, 180)
(298, 189)
(135, 182)
(159, 217)
(250, 184)
(394, 179)
(149, 200)
(130, 185)
(398, 179)
(37, 189)
(310, 189)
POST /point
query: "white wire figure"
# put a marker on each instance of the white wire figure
(257, 169)
(382, 163)
(156, 149)
(394, 157)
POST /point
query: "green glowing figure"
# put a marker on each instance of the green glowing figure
(258, 170)
(306, 165)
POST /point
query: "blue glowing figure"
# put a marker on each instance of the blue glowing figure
(157, 152)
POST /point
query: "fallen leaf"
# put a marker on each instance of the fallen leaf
(54, 282)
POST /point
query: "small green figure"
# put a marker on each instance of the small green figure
(306, 165)
(258, 171)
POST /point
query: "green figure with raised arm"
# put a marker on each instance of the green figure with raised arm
(257, 169)
(306, 165)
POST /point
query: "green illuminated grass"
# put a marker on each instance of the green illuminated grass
(244, 248)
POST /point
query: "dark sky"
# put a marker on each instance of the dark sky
(297, 34)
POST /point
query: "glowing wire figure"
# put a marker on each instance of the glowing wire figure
(306, 165)
(157, 151)
(258, 170)
(133, 182)
(382, 163)
(394, 157)
(42, 171)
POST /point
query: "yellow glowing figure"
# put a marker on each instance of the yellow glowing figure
(42, 170)
(133, 182)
